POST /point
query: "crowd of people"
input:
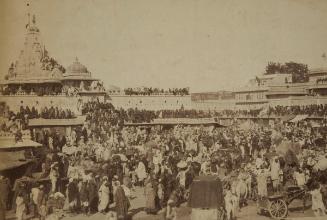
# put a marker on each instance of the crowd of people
(156, 91)
(310, 110)
(43, 90)
(11, 121)
(53, 90)
(96, 168)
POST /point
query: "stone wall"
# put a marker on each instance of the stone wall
(296, 100)
(153, 102)
(168, 102)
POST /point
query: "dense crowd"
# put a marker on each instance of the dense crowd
(54, 90)
(45, 90)
(136, 115)
(11, 121)
(310, 110)
(97, 167)
(156, 91)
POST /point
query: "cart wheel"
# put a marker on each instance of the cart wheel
(278, 209)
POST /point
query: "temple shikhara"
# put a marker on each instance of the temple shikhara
(36, 74)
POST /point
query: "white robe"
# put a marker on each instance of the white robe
(140, 171)
(20, 208)
(103, 197)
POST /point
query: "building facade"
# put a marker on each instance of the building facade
(36, 79)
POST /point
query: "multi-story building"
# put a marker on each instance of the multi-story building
(254, 94)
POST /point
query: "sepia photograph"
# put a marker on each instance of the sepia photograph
(163, 109)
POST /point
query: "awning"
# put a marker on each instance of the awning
(216, 124)
(186, 121)
(10, 143)
(42, 122)
(298, 118)
(11, 160)
(287, 118)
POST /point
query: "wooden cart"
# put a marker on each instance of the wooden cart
(277, 205)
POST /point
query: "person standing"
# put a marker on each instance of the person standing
(84, 197)
(228, 198)
(141, 172)
(299, 177)
(4, 192)
(150, 198)
(262, 183)
(41, 203)
(72, 194)
(318, 206)
(35, 191)
(104, 193)
(274, 172)
(20, 206)
(121, 202)
(54, 175)
(93, 189)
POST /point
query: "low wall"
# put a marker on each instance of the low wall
(153, 102)
(214, 105)
(169, 102)
(303, 100)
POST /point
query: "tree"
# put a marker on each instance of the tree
(299, 71)
(273, 68)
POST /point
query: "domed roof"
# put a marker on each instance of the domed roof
(76, 68)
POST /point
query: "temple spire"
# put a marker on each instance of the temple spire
(28, 15)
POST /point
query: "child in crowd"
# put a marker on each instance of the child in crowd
(318, 206)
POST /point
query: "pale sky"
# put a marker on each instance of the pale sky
(208, 45)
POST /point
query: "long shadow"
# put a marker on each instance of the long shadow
(300, 208)
(133, 212)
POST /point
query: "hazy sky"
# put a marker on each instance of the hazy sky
(207, 45)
